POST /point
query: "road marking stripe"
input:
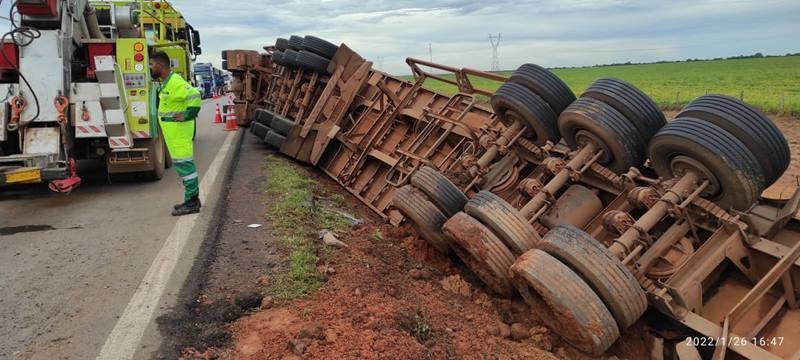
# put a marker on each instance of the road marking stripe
(124, 339)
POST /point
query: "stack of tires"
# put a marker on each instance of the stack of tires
(271, 128)
(308, 53)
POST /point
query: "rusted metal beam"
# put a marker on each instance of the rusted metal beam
(761, 288)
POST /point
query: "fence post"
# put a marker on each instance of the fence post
(741, 95)
(677, 95)
(783, 109)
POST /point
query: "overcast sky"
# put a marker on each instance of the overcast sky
(549, 33)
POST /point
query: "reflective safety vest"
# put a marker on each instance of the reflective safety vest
(178, 96)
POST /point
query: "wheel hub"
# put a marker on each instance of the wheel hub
(583, 137)
(512, 117)
(682, 164)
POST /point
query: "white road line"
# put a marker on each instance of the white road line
(124, 339)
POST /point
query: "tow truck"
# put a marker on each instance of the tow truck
(75, 85)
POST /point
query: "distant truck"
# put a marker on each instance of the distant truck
(211, 79)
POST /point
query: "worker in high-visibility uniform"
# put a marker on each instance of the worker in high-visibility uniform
(179, 104)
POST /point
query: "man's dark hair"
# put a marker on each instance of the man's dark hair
(161, 57)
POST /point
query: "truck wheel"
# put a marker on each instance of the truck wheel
(168, 161)
(754, 129)
(264, 116)
(566, 304)
(319, 46)
(442, 192)
(295, 43)
(590, 120)
(516, 232)
(312, 62)
(735, 177)
(281, 44)
(423, 215)
(544, 83)
(603, 272)
(160, 157)
(514, 102)
(281, 125)
(631, 102)
(259, 130)
(274, 139)
(277, 58)
(289, 58)
(483, 253)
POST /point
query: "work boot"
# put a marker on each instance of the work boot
(191, 206)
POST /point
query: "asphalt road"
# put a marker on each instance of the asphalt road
(69, 265)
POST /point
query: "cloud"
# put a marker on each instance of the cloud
(547, 32)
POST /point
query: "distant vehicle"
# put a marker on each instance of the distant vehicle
(104, 104)
(212, 79)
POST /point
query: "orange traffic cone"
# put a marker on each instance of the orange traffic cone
(230, 120)
(218, 116)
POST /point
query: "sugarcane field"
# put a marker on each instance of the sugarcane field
(382, 180)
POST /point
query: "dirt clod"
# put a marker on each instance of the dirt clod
(505, 330)
(298, 346)
(312, 331)
(263, 280)
(419, 274)
(455, 284)
(267, 302)
(541, 337)
(519, 331)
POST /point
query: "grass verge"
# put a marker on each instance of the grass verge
(296, 219)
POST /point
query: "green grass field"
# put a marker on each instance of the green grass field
(760, 80)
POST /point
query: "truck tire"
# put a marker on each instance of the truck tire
(264, 116)
(281, 125)
(168, 162)
(274, 139)
(754, 129)
(277, 58)
(516, 232)
(736, 178)
(566, 304)
(259, 130)
(545, 84)
(160, 156)
(588, 119)
(319, 46)
(514, 102)
(600, 269)
(281, 44)
(442, 192)
(483, 253)
(295, 43)
(312, 62)
(631, 102)
(423, 215)
(289, 58)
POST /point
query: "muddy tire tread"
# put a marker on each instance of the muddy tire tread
(442, 192)
(516, 232)
(606, 275)
(590, 328)
(424, 215)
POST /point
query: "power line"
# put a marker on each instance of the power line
(495, 41)
(430, 55)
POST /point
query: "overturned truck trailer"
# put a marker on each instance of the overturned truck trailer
(592, 208)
